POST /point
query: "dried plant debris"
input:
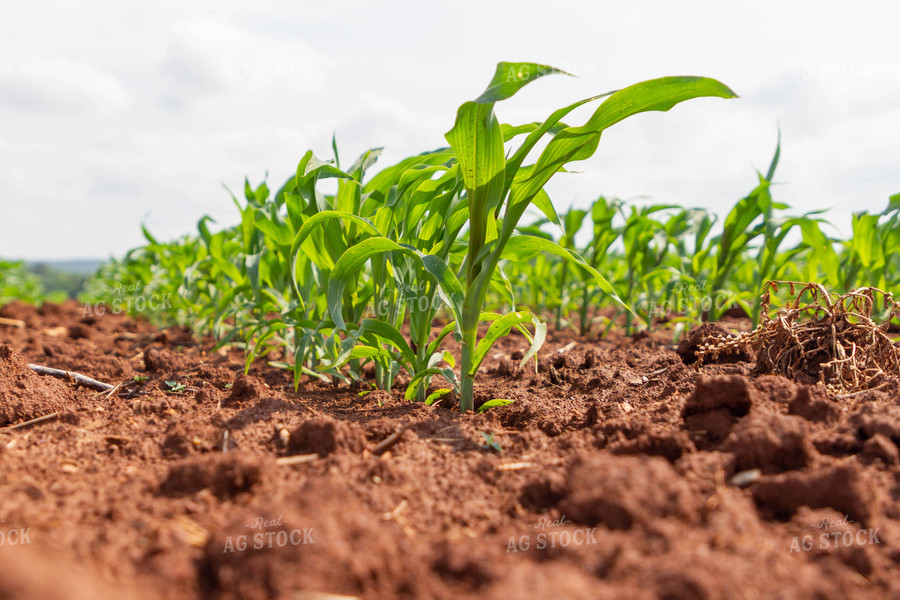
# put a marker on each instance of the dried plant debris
(840, 341)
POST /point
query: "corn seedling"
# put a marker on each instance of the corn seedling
(499, 190)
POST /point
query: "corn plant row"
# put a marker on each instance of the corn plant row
(388, 266)
(17, 282)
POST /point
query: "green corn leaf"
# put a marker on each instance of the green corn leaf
(513, 165)
(510, 132)
(509, 78)
(478, 142)
(500, 328)
(774, 164)
(203, 228)
(302, 240)
(579, 143)
(268, 329)
(418, 379)
(353, 259)
(386, 177)
(493, 404)
(362, 351)
(893, 204)
(443, 356)
(279, 233)
(542, 201)
(318, 219)
(147, 235)
(433, 396)
(388, 333)
(311, 167)
(524, 246)
(448, 329)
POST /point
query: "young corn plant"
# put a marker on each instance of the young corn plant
(871, 256)
(603, 212)
(407, 210)
(18, 283)
(499, 189)
(724, 266)
(322, 228)
(646, 242)
(572, 223)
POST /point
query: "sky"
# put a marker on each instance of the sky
(117, 113)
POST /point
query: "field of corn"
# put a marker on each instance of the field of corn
(318, 359)
(323, 283)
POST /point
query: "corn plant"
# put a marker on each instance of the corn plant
(18, 283)
(870, 255)
(495, 185)
(596, 252)
(413, 203)
(724, 264)
(572, 223)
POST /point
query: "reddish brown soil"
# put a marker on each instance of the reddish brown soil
(623, 473)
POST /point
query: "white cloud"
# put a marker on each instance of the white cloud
(61, 85)
(207, 58)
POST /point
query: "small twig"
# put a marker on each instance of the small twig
(390, 440)
(515, 466)
(297, 459)
(396, 512)
(71, 375)
(110, 392)
(225, 442)
(12, 322)
(35, 421)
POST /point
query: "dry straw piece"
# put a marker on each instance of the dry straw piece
(831, 338)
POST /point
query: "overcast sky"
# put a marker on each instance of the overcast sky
(114, 113)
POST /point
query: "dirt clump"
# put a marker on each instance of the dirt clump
(324, 436)
(715, 405)
(846, 488)
(24, 394)
(226, 475)
(246, 388)
(769, 441)
(619, 492)
(812, 405)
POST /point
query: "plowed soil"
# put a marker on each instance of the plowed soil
(619, 472)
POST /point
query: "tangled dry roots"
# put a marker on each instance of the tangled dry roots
(832, 338)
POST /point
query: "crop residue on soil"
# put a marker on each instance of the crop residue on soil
(622, 472)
